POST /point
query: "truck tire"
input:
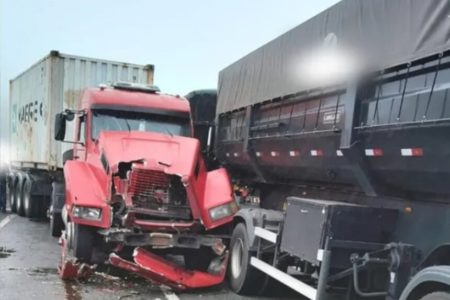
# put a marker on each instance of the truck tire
(18, 198)
(437, 296)
(56, 224)
(30, 205)
(243, 278)
(83, 242)
(11, 196)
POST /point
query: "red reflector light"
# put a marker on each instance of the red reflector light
(316, 152)
(374, 152)
(412, 152)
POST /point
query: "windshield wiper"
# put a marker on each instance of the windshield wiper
(128, 125)
(168, 131)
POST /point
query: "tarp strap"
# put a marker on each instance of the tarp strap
(403, 93)
(433, 85)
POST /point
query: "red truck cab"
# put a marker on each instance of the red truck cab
(137, 180)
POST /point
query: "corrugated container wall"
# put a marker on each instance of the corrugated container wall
(51, 85)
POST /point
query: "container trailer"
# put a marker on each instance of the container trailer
(51, 85)
(344, 183)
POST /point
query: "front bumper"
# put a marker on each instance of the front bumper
(161, 239)
(159, 270)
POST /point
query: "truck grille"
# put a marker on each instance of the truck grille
(156, 194)
(148, 184)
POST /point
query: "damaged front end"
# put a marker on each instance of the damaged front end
(154, 216)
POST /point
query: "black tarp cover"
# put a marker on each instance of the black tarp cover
(386, 32)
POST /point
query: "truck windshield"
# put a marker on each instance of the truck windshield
(116, 120)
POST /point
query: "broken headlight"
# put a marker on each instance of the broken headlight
(222, 211)
(88, 213)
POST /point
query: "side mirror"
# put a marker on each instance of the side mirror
(60, 127)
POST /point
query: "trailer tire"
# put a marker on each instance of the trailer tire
(30, 205)
(18, 198)
(56, 224)
(436, 296)
(243, 278)
(11, 196)
(83, 242)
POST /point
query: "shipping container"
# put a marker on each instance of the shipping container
(49, 86)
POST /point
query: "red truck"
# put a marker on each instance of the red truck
(137, 188)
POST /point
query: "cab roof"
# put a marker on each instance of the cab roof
(111, 96)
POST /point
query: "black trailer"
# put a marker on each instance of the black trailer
(351, 179)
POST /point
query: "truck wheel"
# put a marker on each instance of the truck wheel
(243, 278)
(437, 296)
(11, 196)
(82, 243)
(18, 199)
(56, 224)
(30, 205)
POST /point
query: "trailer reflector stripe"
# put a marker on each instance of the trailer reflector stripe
(294, 153)
(235, 154)
(227, 154)
(266, 234)
(374, 152)
(284, 278)
(274, 153)
(258, 154)
(339, 153)
(412, 152)
(316, 152)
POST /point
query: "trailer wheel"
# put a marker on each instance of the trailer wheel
(82, 242)
(18, 198)
(243, 278)
(56, 224)
(11, 196)
(436, 296)
(30, 205)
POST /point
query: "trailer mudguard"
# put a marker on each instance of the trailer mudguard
(430, 276)
(40, 183)
(86, 186)
(253, 217)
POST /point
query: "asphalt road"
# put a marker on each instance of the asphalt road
(28, 259)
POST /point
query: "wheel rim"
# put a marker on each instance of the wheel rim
(26, 201)
(236, 258)
(69, 234)
(12, 201)
(17, 199)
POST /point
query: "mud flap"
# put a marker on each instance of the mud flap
(161, 271)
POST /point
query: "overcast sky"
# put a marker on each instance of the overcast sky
(189, 42)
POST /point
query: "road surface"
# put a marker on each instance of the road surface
(28, 259)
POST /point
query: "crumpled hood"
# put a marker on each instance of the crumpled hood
(173, 155)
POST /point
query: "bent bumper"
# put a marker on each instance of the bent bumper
(159, 270)
(162, 239)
